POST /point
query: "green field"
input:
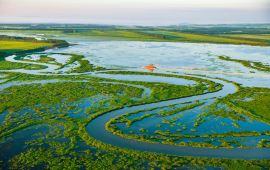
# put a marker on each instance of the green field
(250, 36)
(22, 45)
(255, 36)
(173, 36)
(11, 45)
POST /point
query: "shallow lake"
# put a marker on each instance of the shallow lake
(180, 57)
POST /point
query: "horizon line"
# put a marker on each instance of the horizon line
(139, 25)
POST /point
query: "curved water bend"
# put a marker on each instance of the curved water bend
(100, 133)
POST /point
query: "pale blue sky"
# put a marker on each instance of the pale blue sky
(135, 12)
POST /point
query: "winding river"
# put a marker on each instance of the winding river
(96, 128)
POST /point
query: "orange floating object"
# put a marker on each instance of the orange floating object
(150, 67)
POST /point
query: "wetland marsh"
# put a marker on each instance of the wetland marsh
(85, 102)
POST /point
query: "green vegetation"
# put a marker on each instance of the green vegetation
(198, 38)
(264, 143)
(29, 95)
(166, 137)
(247, 102)
(83, 64)
(251, 36)
(14, 45)
(250, 64)
(164, 35)
(6, 65)
(211, 86)
(252, 102)
(123, 118)
(181, 109)
(44, 58)
(49, 119)
(258, 34)
(50, 104)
